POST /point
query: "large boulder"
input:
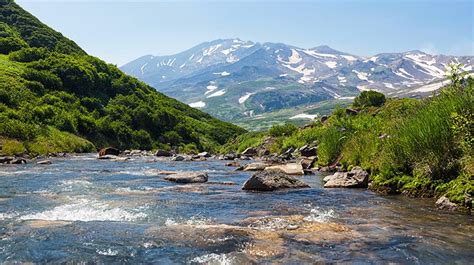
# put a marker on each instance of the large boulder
(255, 166)
(270, 180)
(109, 151)
(289, 169)
(356, 178)
(444, 203)
(188, 177)
(161, 152)
(250, 152)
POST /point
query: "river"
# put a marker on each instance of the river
(80, 209)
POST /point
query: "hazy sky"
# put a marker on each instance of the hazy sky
(120, 31)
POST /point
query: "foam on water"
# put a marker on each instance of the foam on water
(214, 258)
(107, 252)
(10, 215)
(318, 215)
(85, 210)
(194, 220)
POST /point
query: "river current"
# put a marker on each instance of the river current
(80, 209)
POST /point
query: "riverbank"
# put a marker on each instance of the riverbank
(420, 148)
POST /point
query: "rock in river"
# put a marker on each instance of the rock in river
(188, 177)
(44, 162)
(270, 180)
(109, 151)
(255, 166)
(290, 168)
(356, 178)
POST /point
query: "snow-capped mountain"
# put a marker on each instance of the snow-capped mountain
(234, 79)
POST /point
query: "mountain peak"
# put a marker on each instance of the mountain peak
(326, 49)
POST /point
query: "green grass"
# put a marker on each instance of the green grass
(416, 147)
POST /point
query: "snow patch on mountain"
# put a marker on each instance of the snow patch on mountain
(304, 116)
(331, 64)
(217, 93)
(245, 97)
(223, 73)
(199, 104)
(361, 75)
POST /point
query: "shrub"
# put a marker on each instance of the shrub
(282, 130)
(369, 99)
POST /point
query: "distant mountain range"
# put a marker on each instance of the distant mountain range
(239, 80)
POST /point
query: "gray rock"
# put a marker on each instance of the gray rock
(444, 203)
(178, 158)
(273, 180)
(289, 169)
(109, 151)
(108, 157)
(162, 152)
(204, 154)
(5, 159)
(250, 152)
(230, 156)
(308, 162)
(188, 177)
(44, 162)
(356, 178)
(308, 151)
(255, 166)
(18, 161)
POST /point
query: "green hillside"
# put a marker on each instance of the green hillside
(54, 97)
(421, 148)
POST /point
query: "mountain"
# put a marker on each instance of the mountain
(56, 98)
(239, 80)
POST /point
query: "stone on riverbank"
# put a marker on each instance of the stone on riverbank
(188, 177)
(356, 178)
(444, 203)
(109, 151)
(44, 162)
(161, 152)
(270, 180)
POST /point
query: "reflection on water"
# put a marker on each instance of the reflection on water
(81, 209)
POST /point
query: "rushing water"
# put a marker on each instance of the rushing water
(80, 209)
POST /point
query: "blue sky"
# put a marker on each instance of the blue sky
(120, 31)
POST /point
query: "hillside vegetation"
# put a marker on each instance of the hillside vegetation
(417, 147)
(55, 98)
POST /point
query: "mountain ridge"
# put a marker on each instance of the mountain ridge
(241, 71)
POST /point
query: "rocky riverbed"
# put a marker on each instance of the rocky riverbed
(141, 209)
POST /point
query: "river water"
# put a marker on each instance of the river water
(80, 209)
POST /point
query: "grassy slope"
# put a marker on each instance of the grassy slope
(416, 147)
(62, 90)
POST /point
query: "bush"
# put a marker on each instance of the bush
(27, 55)
(369, 99)
(11, 44)
(282, 130)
